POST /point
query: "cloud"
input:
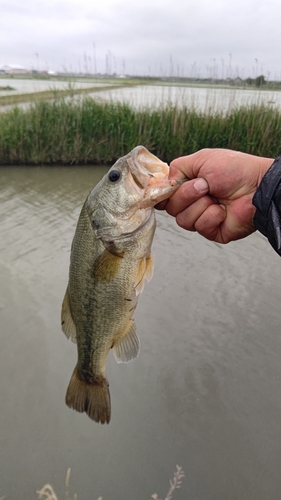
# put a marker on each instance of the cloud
(143, 36)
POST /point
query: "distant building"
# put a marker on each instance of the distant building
(237, 81)
(11, 69)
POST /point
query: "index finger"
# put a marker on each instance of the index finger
(183, 167)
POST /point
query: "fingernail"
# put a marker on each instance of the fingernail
(201, 185)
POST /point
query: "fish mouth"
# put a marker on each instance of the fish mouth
(147, 169)
(151, 175)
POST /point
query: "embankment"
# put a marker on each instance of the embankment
(68, 131)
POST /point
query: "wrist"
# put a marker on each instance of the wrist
(264, 166)
(267, 200)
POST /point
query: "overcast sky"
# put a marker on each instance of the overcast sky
(154, 37)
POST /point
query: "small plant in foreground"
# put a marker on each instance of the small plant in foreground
(174, 484)
(48, 493)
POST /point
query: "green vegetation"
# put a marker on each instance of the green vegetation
(7, 87)
(84, 131)
(260, 81)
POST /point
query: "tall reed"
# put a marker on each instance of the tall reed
(85, 131)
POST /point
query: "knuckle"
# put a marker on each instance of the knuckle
(184, 221)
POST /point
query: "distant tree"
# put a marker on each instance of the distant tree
(260, 81)
(249, 81)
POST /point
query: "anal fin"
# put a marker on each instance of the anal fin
(127, 347)
(67, 323)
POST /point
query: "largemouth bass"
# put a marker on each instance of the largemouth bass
(109, 264)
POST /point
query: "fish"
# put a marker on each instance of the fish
(110, 262)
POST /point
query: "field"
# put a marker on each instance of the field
(66, 126)
(67, 132)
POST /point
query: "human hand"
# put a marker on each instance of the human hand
(217, 201)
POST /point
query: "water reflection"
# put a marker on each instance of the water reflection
(204, 392)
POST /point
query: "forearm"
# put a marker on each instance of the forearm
(267, 201)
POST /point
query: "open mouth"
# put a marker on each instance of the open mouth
(146, 167)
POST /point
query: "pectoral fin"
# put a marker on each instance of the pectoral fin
(106, 266)
(144, 273)
(127, 348)
(67, 323)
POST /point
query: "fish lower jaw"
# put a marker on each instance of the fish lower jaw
(155, 194)
(131, 227)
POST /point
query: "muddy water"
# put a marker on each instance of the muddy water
(205, 392)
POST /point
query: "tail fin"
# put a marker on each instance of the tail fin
(94, 399)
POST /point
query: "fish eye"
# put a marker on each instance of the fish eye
(114, 175)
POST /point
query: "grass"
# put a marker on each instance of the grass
(7, 87)
(48, 493)
(85, 131)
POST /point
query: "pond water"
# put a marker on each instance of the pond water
(200, 98)
(152, 96)
(204, 393)
(29, 86)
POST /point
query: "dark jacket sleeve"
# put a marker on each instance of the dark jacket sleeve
(267, 201)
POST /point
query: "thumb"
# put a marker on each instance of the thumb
(186, 195)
